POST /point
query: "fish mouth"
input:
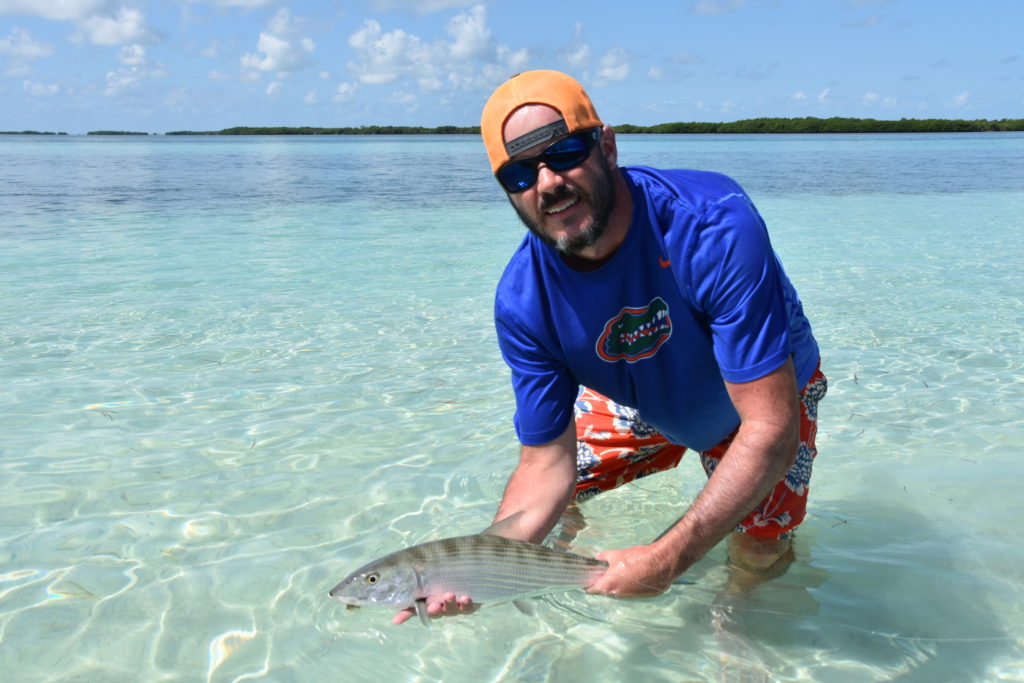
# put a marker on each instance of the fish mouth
(348, 602)
(334, 594)
(342, 599)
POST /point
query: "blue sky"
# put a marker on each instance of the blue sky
(160, 65)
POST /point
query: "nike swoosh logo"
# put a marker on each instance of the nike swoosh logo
(663, 263)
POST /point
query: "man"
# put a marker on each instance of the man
(661, 291)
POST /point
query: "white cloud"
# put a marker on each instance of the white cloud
(656, 73)
(131, 76)
(273, 88)
(56, 10)
(345, 92)
(800, 96)
(471, 60)
(514, 60)
(578, 56)
(20, 44)
(22, 49)
(136, 69)
(40, 89)
(431, 84)
(132, 55)
(104, 22)
(823, 95)
(402, 97)
(873, 99)
(310, 97)
(127, 26)
(961, 99)
(283, 49)
(386, 56)
(211, 51)
(122, 80)
(472, 38)
(613, 67)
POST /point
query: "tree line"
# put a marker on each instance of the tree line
(807, 124)
(29, 132)
(309, 130)
(835, 124)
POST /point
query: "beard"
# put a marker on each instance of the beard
(601, 199)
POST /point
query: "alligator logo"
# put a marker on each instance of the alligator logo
(635, 333)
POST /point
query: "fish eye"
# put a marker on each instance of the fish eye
(372, 578)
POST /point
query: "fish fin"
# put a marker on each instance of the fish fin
(506, 527)
(421, 611)
(525, 607)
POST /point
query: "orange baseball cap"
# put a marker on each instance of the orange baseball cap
(553, 88)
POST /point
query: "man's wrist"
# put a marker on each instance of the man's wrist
(670, 552)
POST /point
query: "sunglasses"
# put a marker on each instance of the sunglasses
(516, 176)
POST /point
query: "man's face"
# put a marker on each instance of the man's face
(568, 209)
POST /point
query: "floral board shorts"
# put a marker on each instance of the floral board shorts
(614, 447)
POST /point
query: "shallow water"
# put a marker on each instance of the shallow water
(233, 369)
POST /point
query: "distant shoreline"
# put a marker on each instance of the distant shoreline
(29, 132)
(805, 125)
(744, 126)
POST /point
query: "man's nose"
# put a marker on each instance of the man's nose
(547, 177)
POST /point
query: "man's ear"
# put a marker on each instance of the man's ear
(608, 146)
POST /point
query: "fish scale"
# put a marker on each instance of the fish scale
(486, 567)
(495, 568)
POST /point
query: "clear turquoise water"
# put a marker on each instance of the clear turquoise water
(233, 369)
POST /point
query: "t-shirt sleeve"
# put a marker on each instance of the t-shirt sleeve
(544, 388)
(738, 283)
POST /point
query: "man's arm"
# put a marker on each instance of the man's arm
(537, 493)
(540, 487)
(763, 450)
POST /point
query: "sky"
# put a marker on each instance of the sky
(164, 65)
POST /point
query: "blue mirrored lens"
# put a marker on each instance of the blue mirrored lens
(517, 176)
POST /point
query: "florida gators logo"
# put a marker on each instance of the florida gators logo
(635, 333)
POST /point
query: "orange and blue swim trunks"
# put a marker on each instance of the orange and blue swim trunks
(614, 447)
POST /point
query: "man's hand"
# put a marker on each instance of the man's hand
(447, 605)
(640, 571)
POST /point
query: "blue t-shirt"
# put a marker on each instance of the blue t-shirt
(694, 295)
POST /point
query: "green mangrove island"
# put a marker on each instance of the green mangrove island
(808, 124)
